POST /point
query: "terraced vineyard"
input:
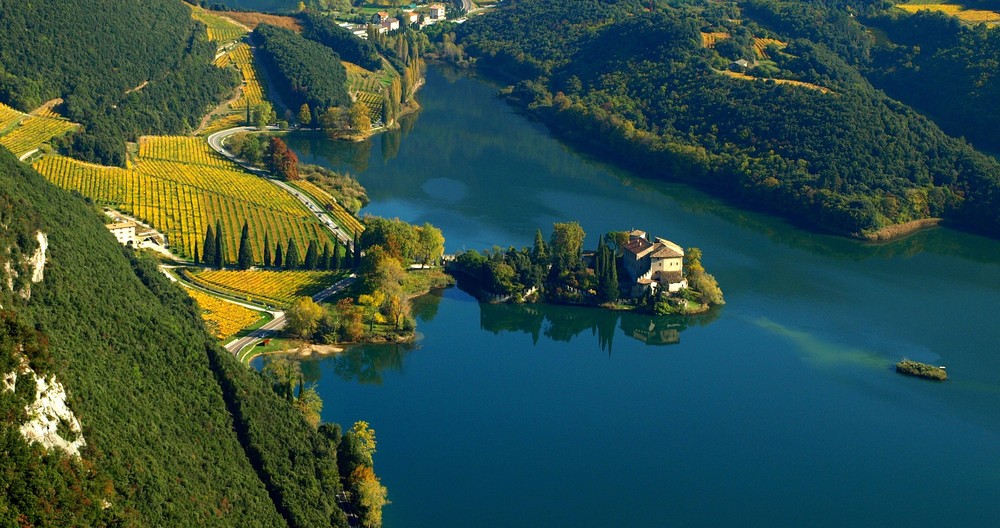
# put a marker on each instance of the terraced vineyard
(185, 149)
(968, 16)
(367, 87)
(32, 132)
(182, 199)
(373, 102)
(760, 46)
(223, 318)
(227, 121)
(8, 116)
(253, 92)
(275, 288)
(219, 29)
(709, 39)
(340, 215)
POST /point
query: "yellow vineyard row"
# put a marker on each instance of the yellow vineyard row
(33, 131)
(253, 92)
(969, 16)
(184, 149)
(223, 318)
(219, 28)
(340, 215)
(278, 288)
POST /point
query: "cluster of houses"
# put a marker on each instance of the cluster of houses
(385, 22)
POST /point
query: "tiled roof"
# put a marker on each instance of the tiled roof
(664, 251)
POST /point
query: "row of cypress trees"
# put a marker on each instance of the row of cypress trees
(331, 258)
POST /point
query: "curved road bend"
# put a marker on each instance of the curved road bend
(215, 141)
(237, 345)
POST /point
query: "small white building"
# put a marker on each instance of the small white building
(652, 265)
(436, 12)
(412, 17)
(124, 232)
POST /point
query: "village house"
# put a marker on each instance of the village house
(124, 232)
(380, 17)
(436, 12)
(390, 24)
(652, 265)
(739, 65)
(411, 17)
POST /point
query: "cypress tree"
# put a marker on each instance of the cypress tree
(278, 255)
(312, 256)
(267, 251)
(599, 260)
(324, 262)
(220, 258)
(208, 247)
(357, 251)
(291, 256)
(195, 252)
(540, 252)
(335, 258)
(245, 257)
(612, 274)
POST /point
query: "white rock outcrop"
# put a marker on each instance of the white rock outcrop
(45, 415)
(36, 266)
(37, 260)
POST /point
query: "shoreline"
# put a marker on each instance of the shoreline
(604, 153)
(898, 231)
(308, 350)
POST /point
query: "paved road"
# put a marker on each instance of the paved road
(237, 345)
(215, 141)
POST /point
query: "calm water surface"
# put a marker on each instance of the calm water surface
(779, 409)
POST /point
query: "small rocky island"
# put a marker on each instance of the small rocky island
(629, 270)
(921, 370)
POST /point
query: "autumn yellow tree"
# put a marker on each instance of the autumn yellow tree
(372, 496)
(303, 317)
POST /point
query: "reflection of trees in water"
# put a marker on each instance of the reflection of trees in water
(425, 307)
(366, 363)
(563, 323)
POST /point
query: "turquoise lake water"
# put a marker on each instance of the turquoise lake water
(779, 409)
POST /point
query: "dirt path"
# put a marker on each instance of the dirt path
(223, 108)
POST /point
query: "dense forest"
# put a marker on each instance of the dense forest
(831, 151)
(49, 49)
(324, 29)
(177, 432)
(954, 65)
(307, 72)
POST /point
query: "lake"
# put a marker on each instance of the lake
(780, 408)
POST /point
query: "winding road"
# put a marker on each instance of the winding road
(216, 142)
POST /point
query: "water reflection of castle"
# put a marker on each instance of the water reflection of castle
(563, 323)
(654, 333)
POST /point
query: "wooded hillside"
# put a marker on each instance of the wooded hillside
(800, 133)
(93, 53)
